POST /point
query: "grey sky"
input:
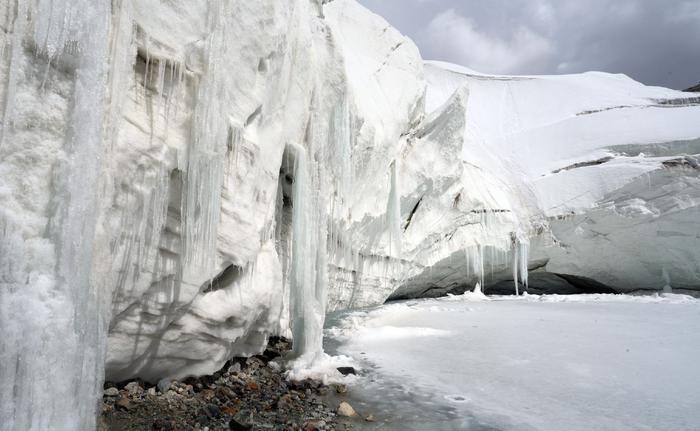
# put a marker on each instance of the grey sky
(654, 41)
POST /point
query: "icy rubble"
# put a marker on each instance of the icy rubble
(180, 179)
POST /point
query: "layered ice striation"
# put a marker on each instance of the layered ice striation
(182, 179)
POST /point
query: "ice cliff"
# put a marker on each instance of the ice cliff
(181, 179)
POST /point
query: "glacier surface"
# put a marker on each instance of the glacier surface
(181, 179)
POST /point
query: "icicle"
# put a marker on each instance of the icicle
(122, 65)
(207, 154)
(520, 264)
(524, 256)
(19, 28)
(394, 213)
(475, 263)
(667, 281)
(308, 284)
(516, 267)
(341, 141)
(480, 268)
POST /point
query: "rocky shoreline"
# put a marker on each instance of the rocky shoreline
(246, 394)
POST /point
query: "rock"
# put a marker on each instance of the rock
(224, 393)
(270, 354)
(694, 89)
(162, 425)
(346, 410)
(272, 404)
(111, 392)
(164, 385)
(228, 411)
(370, 418)
(133, 388)
(341, 389)
(123, 403)
(285, 401)
(314, 426)
(152, 392)
(234, 425)
(213, 411)
(347, 371)
(235, 368)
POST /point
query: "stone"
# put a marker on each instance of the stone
(314, 426)
(164, 385)
(285, 401)
(234, 425)
(346, 410)
(133, 388)
(224, 393)
(123, 403)
(213, 411)
(111, 392)
(347, 371)
(162, 425)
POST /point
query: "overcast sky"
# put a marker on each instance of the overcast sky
(653, 41)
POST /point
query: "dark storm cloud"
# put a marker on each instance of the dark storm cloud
(654, 41)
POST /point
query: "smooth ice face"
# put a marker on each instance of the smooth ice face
(544, 363)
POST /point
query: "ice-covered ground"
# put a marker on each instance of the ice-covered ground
(543, 363)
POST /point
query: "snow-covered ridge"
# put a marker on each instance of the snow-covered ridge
(181, 179)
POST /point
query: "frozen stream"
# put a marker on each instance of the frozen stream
(543, 363)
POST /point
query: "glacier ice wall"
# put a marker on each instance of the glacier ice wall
(607, 166)
(182, 179)
(155, 217)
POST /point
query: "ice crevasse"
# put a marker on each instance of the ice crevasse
(181, 179)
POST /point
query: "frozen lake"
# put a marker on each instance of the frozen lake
(531, 363)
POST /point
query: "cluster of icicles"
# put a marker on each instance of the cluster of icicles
(476, 257)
